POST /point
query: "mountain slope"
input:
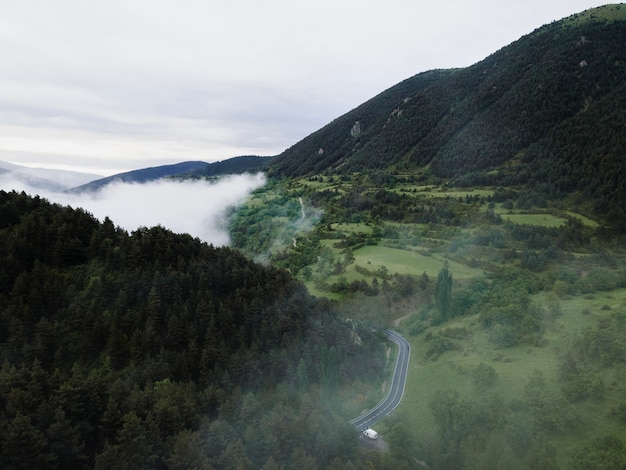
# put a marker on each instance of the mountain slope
(232, 166)
(17, 177)
(143, 175)
(126, 351)
(235, 165)
(546, 111)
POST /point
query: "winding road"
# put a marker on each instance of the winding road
(396, 391)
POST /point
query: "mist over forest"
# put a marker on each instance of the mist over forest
(196, 207)
(478, 212)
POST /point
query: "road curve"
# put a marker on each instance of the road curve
(396, 391)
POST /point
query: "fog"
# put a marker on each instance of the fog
(199, 208)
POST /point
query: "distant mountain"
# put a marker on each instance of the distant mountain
(194, 169)
(546, 112)
(26, 178)
(143, 175)
(236, 165)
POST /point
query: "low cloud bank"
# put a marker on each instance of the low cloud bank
(199, 208)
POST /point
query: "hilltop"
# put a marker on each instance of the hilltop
(545, 113)
(142, 175)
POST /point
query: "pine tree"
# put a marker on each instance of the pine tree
(443, 291)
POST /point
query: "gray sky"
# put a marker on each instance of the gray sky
(110, 86)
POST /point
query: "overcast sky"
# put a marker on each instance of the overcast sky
(110, 86)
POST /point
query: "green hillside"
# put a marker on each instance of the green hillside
(154, 350)
(514, 304)
(546, 112)
(480, 212)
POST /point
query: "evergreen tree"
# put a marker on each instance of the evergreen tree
(443, 292)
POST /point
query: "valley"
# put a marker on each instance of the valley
(480, 212)
(532, 287)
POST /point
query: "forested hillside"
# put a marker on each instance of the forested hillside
(143, 175)
(233, 166)
(546, 112)
(154, 350)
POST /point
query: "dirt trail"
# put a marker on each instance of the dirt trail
(397, 321)
(301, 208)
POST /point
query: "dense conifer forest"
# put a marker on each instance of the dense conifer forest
(152, 349)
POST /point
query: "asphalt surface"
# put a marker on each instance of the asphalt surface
(396, 391)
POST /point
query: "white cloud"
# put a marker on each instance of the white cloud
(195, 207)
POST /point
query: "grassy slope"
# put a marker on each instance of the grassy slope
(513, 367)
(406, 261)
(453, 369)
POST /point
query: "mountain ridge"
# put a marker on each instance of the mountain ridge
(523, 116)
(190, 169)
(142, 175)
(43, 178)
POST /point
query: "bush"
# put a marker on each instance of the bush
(455, 332)
(503, 336)
(484, 376)
(605, 342)
(549, 408)
(439, 346)
(608, 452)
(416, 327)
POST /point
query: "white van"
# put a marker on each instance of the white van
(370, 433)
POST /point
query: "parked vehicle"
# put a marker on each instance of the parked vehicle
(370, 433)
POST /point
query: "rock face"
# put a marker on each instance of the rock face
(356, 129)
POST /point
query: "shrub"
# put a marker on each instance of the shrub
(439, 346)
(503, 336)
(416, 327)
(458, 332)
(602, 452)
(484, 376)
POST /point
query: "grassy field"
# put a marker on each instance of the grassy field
(616, 12)
(540, 218)
(439, 192)
(352, 228)
(414, 262)
(513, 366)
(390, 261)
(463, 234)
(457, 193)
(543, 220)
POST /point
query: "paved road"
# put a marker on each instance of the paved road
(396, 391)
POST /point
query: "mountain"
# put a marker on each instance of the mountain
(143, 175)
(545, 112)
(235, 165)
(21, 177)
(194, 169)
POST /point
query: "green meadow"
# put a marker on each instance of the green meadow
(408, 261)
(353, 258)
(543, 220)
(513, 366)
